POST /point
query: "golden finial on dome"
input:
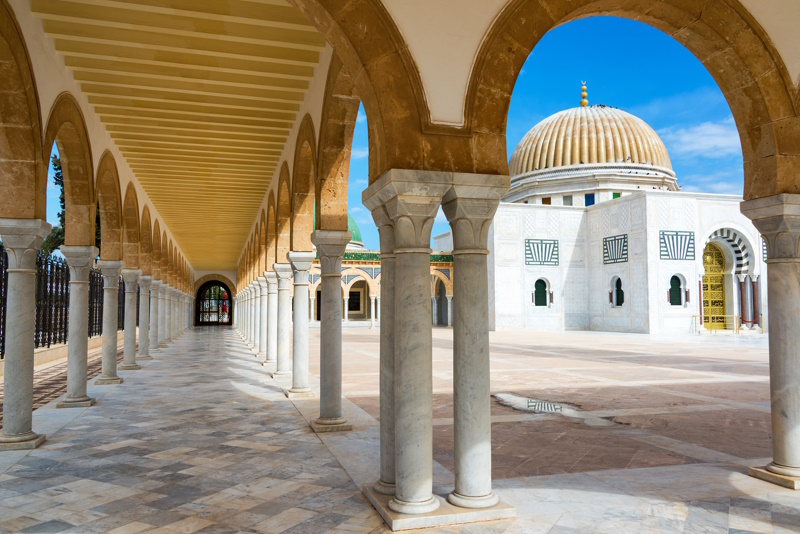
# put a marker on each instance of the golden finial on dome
(584, 102)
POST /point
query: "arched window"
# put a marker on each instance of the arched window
(616, 296)
(675, 291)
(213, 304)
(540, 293)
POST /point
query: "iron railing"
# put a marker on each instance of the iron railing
(52, 301)
(120, 304)
(3, 298)
(95, 303)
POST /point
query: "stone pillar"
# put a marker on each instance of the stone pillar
(111, 270)
(778, 219)
(131, 278)
(434, 312)
(330, 248)
(470, 207)
(144, 317)
(272, 317)
(154, 304)
(345, 309)
(80, 260)
(301, 264)
(412, 199)
(379, 310)
(257, 316)
(748, 302)
(162, 315)
(311, 308)
(168, 296)
(450, 310)
(284, 273)
(263, 297)
(372, 311)
(22, 239)
(251, 330)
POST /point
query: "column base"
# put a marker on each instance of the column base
(385, 488)
(780, 479)
(463, 501)
(261, 355)
(331, 424)
(81, 402)
(144, 357)
(108, 381)
(162, 345)
(414, 508)
(21, 442)
(281, 373)
(300, 393)
(129, 367)
(445, 515)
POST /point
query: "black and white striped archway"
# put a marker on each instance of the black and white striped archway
(738, 246)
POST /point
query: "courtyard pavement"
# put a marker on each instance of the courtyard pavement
(647, 435)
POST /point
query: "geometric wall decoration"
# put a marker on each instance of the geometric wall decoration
(764, 248)
(615, 249)
(445, 272)
(541, 252)
(675, 245)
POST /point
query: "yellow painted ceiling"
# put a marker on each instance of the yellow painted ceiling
(199, 96)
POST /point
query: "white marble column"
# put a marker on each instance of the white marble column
(257, 316)
(168, 296)
(154, 303)
(263, 296)
(411, 200)
(284, 273)
(80, 260)
(251, 329)
(330, 248)
(345, 306)
(22, 239)
(311, 308)
(449, 310)
(372, 311)
(272, 317)
(301, 264)
(111, 270)
(144, 317)
(162, 314)
(379, 307)
(470, 207)
(778, 219)
(434, 312)
(131, 279)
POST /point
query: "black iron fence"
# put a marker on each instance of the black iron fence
(52, 301)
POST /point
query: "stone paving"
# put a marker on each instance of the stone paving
(203, 440)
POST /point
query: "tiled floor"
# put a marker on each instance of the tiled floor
(202, 440)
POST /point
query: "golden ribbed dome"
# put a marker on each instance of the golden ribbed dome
(588, 135)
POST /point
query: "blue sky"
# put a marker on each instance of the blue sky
(625, 64)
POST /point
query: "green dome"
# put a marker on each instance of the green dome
(353, 227)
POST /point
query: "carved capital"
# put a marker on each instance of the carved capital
(111, 270)
(284, 274)
(778, 219)
(470, 206)
(80, 260)
(385, 230)
(145, 282)
(22, 239)
(331, 245)
(301, 263)
(272, 281)
(162, 291)
(262, 285)
(131, 278)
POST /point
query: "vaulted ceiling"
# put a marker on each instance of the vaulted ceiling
(199, 96)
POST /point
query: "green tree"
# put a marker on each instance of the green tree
(56, 237)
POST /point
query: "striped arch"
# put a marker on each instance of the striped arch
(436, 276)
(738, 245)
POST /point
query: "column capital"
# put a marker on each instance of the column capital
(111, 270)
(131, 277)
(155, 285)
(145, 281)
(262, 285)
(778, 219)
(301, 263)
(331, 245)
(22, 239)
(272, 281)
(282, 270)
(162, 290)
(470, 206)
(80, 260)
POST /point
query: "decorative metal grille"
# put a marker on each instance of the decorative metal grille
(52, 301)
(615, 249)
(541, 252)
(120, 304)
(3, 298)
(95, 303)
(676, 245)
(214, 304)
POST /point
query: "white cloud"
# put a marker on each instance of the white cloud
(725, 182)
(359, 153)
(361, 117)
(708, 140)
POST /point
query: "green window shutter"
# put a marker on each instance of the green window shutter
(540, 293)
(675, 291)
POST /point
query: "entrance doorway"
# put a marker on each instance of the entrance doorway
(213, 304)
(713, 287)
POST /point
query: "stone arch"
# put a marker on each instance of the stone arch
(303, 184)
(271, 231)
(23, 174)
(66, 128)
(721, 34)
(339, 114)
(130, 225)
(215, 278)
(740, 247)
(109, 199)
(437, 276)
(283, 213)
(146, 243)
(348, 282)
(156, 258)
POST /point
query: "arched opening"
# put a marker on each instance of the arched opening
(676, 291)
(213, 304)
(358, 301)
(442, 309)
(714, 287)
(540, 297)
(616, 296)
